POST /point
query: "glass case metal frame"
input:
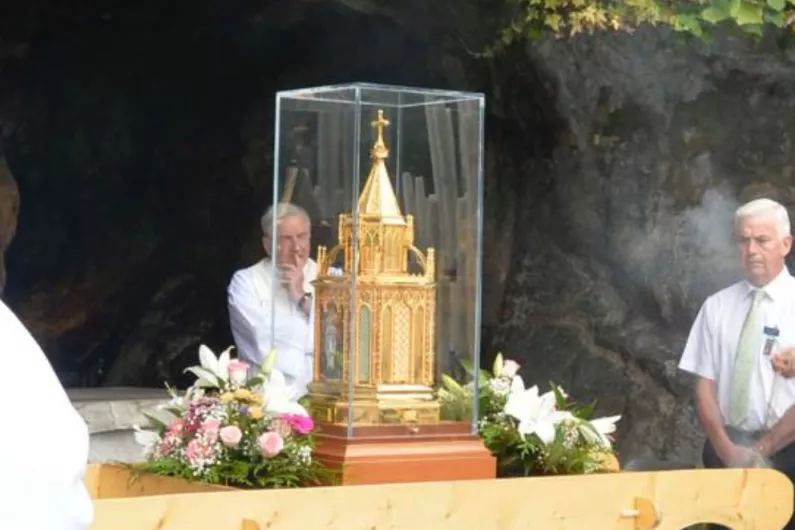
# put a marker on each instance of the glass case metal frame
(407, 246)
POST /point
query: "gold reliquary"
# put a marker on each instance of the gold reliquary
(375, 320)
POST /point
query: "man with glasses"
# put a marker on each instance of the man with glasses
(281, 287)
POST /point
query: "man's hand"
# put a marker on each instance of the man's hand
(734, 455)
(293, 281)
(784, 362)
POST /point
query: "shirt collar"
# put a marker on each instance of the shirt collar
(777, 286)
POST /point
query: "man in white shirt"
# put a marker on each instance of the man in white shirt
(44, 447)
(735, 345)
(271, 306)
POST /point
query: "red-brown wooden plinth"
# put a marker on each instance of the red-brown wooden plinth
(400, 453)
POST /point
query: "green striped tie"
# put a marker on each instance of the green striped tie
(745, 361)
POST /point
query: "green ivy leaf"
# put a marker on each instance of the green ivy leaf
(778, 5)
(777, 19)
(714, 15)
(750, 14)
(689, 23)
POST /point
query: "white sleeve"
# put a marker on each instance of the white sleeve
(700, 356)
(249, 320)
(251, 324)
(44, 447)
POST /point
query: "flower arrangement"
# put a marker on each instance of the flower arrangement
(232, 429)
(530, 433)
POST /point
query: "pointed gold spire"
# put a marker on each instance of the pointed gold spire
(378, 197)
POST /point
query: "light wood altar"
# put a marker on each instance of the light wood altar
(372, 395)
(741, 499)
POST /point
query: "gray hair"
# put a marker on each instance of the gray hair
(280, 211)
(762, 207)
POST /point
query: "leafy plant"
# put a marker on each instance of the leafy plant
(528, 432)
(566, 18)
(233, 429)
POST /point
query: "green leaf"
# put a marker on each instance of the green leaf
(255, 382)
(451, 385)
(750, 14)
(560, 400)
(688, 23)
(466, 364)
(155, 422)
(714, 15)
(778, 5)
(534, 32)
(483, 379)
(777, 19)
(586, 411)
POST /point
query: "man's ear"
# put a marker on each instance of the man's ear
(266, 244)
(787, 243)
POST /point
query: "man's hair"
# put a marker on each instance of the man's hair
(280, 211)
(765, 207)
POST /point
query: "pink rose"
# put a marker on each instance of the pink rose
(270, 444)
(231, 435)
(238, 372)
(509, 368)
(300, 423)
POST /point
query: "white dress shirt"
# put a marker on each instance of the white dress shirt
(712, 345)
(255, 296)
(44, 446)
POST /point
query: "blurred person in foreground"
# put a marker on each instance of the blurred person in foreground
(739, 346)
(44, 447)
(253, 296)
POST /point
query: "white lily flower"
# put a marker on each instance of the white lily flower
(281, 397)
(212, 372)
(217, 366)
(596, 431)
(517, 384)
(223, 364)
(536, 414)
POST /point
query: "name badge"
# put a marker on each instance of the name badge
(770, 340)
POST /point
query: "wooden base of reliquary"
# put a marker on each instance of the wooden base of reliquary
(404, 453)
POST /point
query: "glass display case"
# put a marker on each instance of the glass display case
(391, 179)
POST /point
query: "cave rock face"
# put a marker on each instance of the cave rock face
(9, 209)
(661, 140)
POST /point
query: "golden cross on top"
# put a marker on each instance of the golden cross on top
(379, 124)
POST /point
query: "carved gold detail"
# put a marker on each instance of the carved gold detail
(375, 322)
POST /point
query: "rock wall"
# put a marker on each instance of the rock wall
(662, 138)
(9, 210)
